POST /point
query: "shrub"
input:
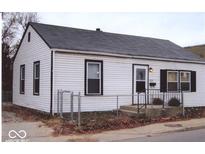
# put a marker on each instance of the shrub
(174, 102)
(157, 101)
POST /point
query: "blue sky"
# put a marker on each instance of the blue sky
(184, 29)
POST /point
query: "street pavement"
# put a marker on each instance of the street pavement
(185, 136)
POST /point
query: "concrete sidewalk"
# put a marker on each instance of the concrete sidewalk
(149, 130)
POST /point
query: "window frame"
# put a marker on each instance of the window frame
(100, 64)
(34, 78)
(170, 71)
(20, 86)
(186, 81)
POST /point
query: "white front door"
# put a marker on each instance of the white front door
(140, 77)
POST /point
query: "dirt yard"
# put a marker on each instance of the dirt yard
(93, 122)
(35, 130)
(39, 125)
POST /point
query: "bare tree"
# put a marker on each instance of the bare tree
(14, 23)
(13, 26)
(8, 31)
(24, 18)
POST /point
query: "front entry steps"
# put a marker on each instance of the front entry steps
(151, 110)
(132, 113)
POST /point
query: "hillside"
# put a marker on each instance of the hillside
(198, 49)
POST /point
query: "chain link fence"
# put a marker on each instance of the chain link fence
(66, 108)
(79, 108)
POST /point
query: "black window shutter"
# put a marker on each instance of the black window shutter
(163, 80)
(193, 81)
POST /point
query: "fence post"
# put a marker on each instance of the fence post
(61, 105)
(163, 100)
(71, 106)
(182, 101)
(117, 106)
(145, 100)
(148, 94)
(133, 98)
(138, 108)
(79, 108)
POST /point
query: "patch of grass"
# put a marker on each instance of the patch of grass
(200, 50)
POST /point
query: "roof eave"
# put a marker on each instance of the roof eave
(126, 56)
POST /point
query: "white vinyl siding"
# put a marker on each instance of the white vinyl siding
(29, 52)
(117, 79)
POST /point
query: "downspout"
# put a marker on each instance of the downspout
(51, 84)
(53, 92)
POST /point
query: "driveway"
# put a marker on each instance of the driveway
(186, 136)
(16, 129)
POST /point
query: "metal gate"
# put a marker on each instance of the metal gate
(65, 107)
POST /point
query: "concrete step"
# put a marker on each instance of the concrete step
(132, 108)
(132, 113)
(152, 111)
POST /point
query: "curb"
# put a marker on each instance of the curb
(165, 132)
(184, 129)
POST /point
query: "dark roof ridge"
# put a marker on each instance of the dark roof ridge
(89, 30)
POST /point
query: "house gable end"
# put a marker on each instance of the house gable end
(28, 53)
(25, 38)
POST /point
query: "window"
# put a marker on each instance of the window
(22, 79)
(29, 36)
(140, 80)
(36, 78)
(93, 77)
(172, 80)
(185, 81)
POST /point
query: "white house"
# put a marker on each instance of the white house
(98, 64)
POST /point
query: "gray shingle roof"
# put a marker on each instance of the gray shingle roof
(98, 41)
